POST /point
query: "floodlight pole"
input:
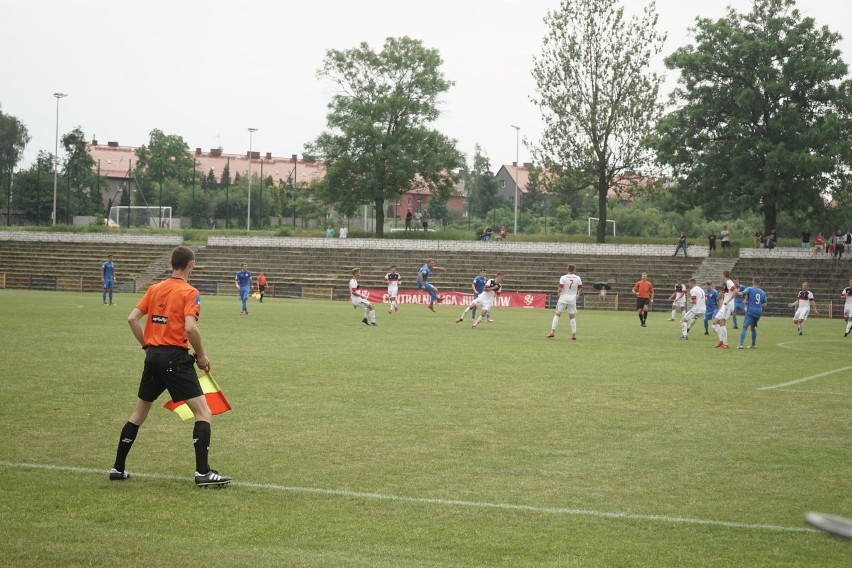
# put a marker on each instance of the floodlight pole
(517, 166)
(56, 154)
(248, 215)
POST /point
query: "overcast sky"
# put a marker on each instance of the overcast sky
(209, 70)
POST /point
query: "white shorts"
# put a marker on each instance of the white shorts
(360, 302)
(392, 290)
(847, 312)
(802, 314)
(566, 306)
(724, 312)
(679, 303)
(693, 314)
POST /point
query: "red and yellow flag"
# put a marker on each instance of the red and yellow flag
(215, 399)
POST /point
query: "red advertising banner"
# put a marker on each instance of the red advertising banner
(452, 298)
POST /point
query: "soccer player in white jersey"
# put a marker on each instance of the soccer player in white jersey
(360, 302)
(726, 307)
(570, 288)
(393, 279)
(678, 298)
(847, 307)
(484, 300)
(699, 306)
(803, 304)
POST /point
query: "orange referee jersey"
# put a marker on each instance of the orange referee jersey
(644, 289)
(261, 280)
(167, 305)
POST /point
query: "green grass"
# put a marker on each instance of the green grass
(446, 428)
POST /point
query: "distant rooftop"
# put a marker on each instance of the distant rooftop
(116, 160)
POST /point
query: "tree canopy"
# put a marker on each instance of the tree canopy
(378, 143)
(596, 93)
(762, 114)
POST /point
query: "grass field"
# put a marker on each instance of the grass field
(424, 443)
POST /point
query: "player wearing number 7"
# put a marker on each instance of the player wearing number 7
(570, 288)
(755, 298)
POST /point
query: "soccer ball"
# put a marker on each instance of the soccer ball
(256, 295)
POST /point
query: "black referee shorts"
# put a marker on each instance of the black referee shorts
(169, 368)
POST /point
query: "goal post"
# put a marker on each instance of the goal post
(597, 219)
(134, 216)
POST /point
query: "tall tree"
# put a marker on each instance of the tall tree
(169, 152)
(596, 93)
(13, 139)
(763, 117)
(165, 158)
(84, 188)
(378, 142)
(482, 186)
(33, 192)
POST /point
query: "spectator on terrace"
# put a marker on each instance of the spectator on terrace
(819, 243)
(681, 244)
(711, 243)
(758, 239)
(806, 238)
(726, 240)
(771, 240)
(486, 235)
(504, 232)
(425, 220)
(408, 217)
(847, 240)
(329, 233)
(418, 221)
(839, 244)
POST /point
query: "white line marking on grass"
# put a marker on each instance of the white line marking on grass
(443, 502)
(818, 392)
(810, 347)
(804, 379)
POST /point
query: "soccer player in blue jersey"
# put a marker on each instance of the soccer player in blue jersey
(242, 280)
(478, 286)
(754, 298)
(424, 284)
(711, 297)
(108, 278)
(739, 302)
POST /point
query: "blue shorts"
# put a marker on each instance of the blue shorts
(750, 320)
(244, 293)
(109, 284)
(709, 314)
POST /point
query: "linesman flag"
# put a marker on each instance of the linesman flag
(215, 399)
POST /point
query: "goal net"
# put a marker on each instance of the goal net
(128, 216)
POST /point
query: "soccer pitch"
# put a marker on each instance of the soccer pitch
(424, 443)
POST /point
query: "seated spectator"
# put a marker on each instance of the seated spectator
(344, 232)
(486, 235)
(758, 239)
(504, 232)
(771, 240)
(819, 243)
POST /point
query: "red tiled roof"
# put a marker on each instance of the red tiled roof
(116, 160)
